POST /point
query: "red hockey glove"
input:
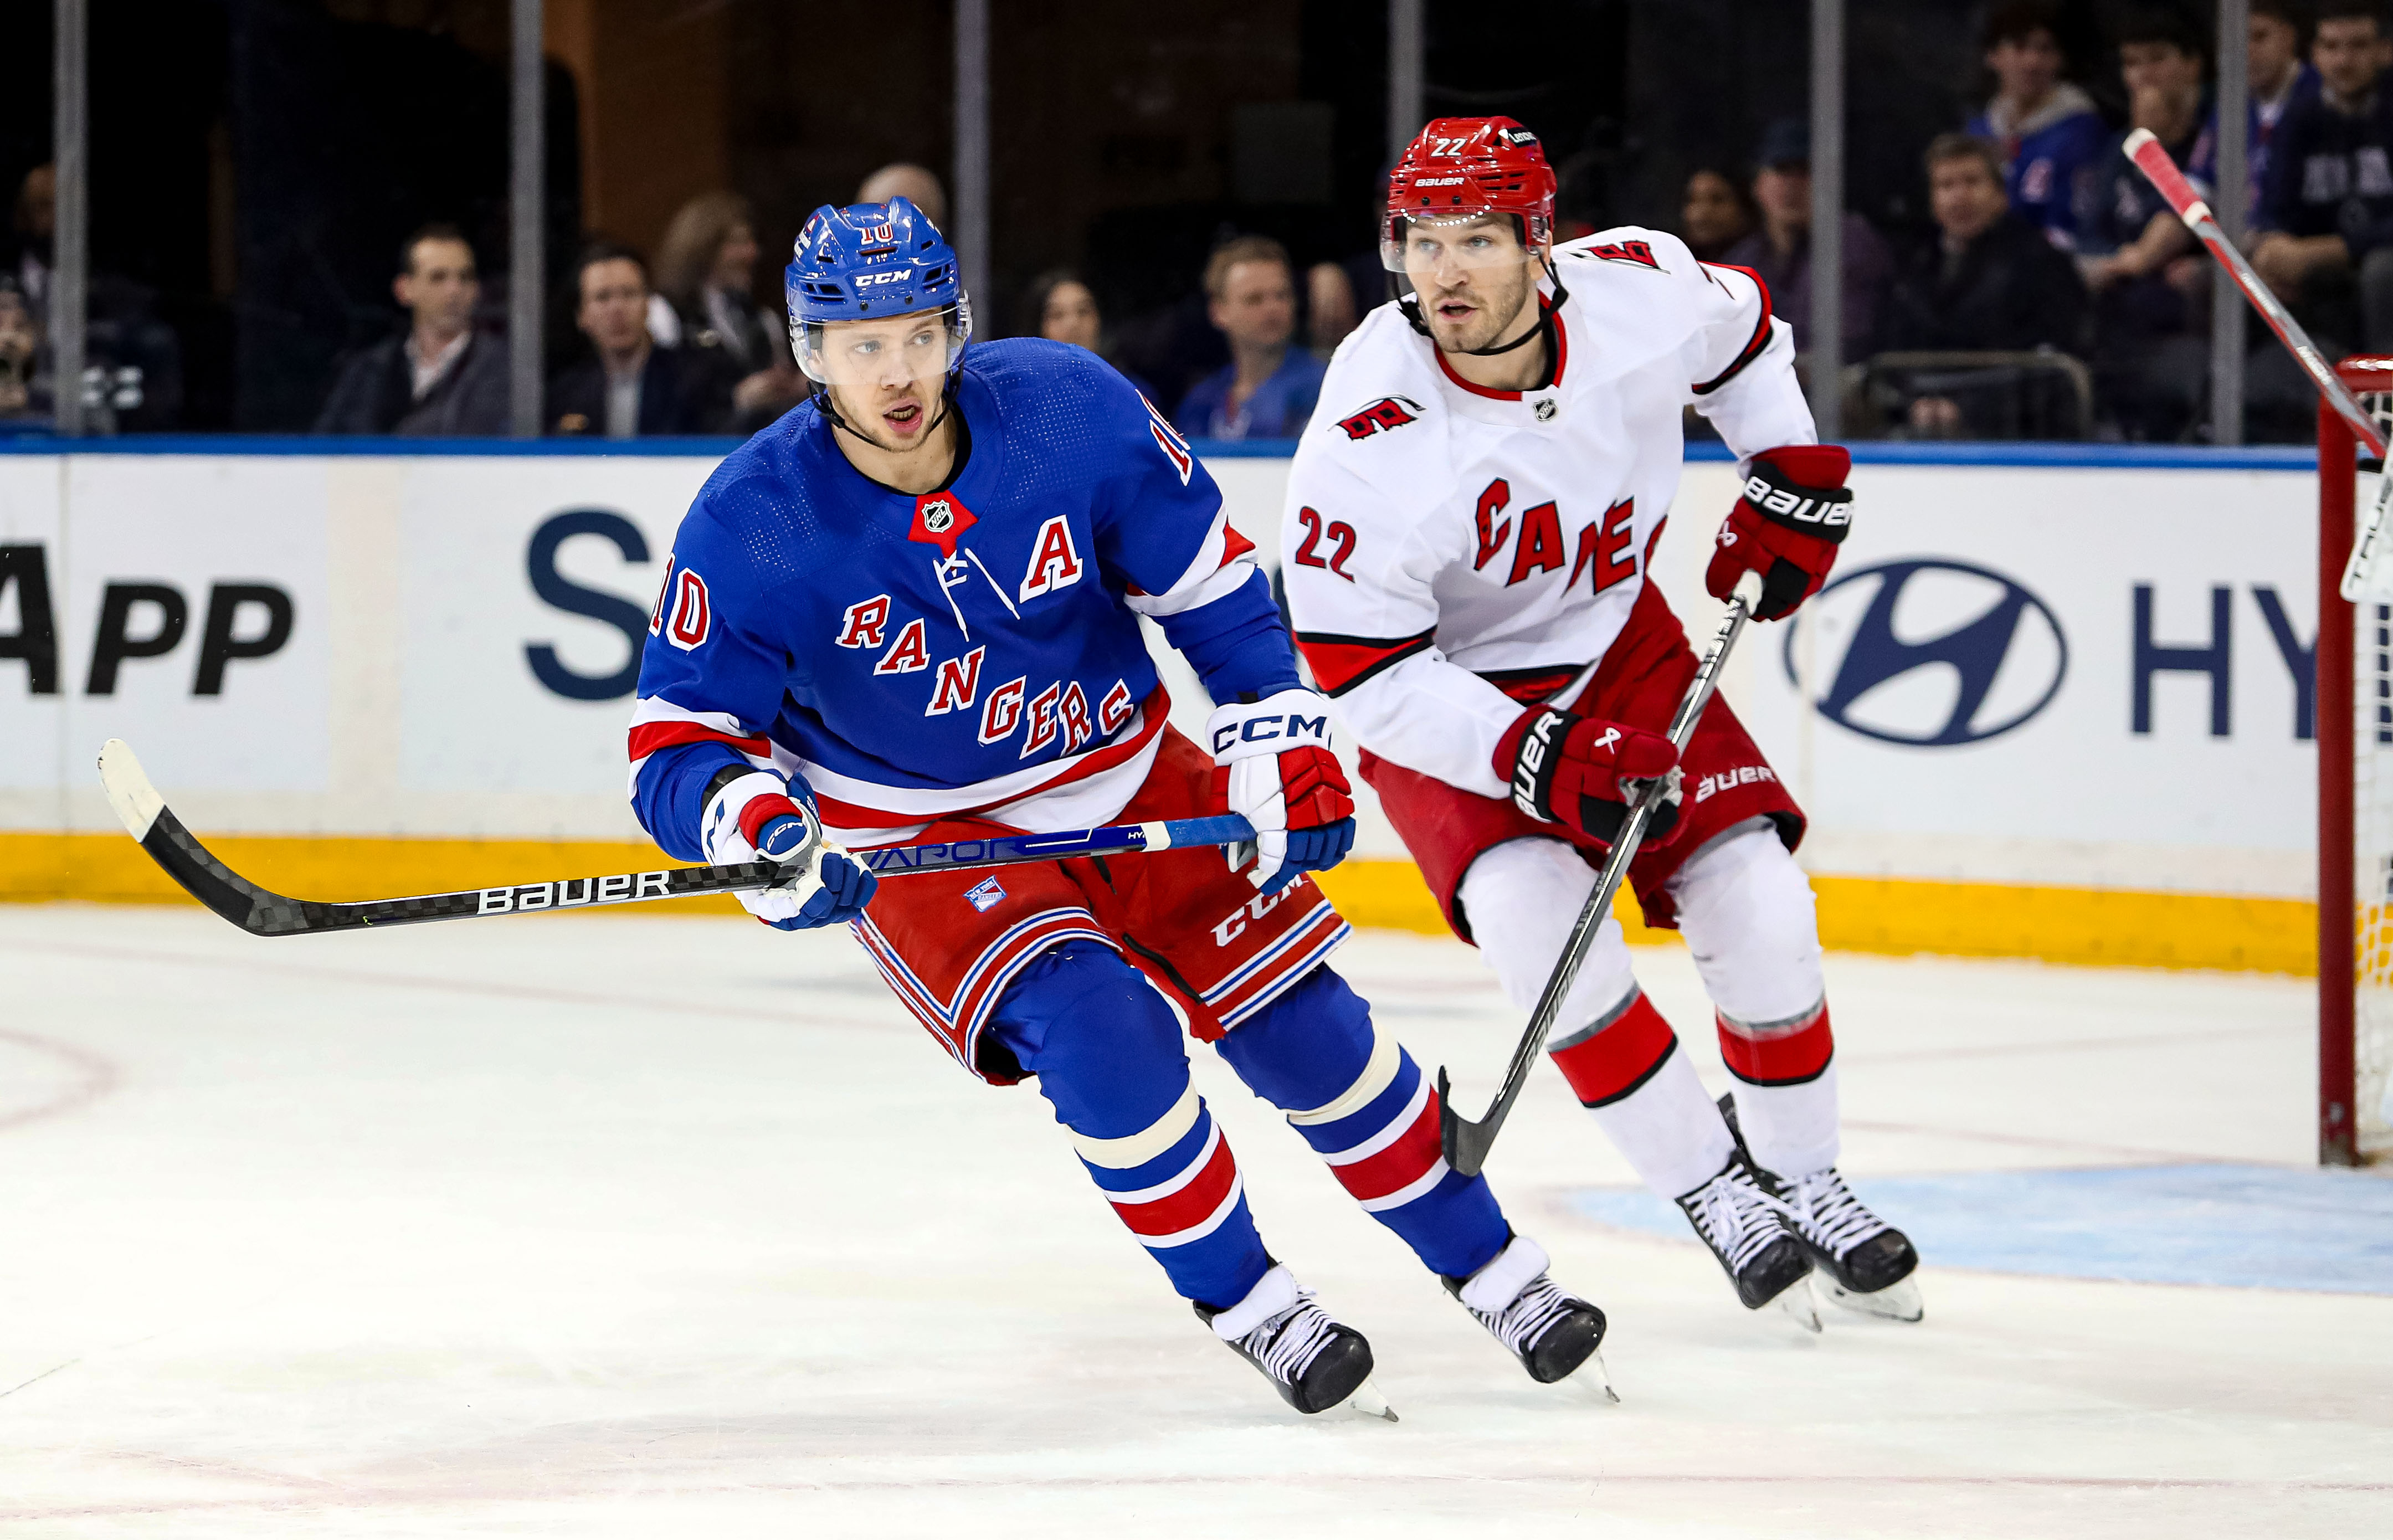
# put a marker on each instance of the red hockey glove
(1580, 771)
(1794, 513)
(1273, 765)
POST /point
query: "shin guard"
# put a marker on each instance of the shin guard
(1627, 1070)
(1786, 1090)
(1358, 1099)
(1108, 1052)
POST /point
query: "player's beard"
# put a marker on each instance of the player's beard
(1501, 294)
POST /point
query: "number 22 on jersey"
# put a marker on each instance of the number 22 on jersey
(1339, 533)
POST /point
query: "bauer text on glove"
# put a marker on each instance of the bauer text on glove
(1580, 772)
(1796, 511)
(1274, 766)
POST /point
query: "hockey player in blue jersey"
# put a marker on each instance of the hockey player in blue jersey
(909, 610)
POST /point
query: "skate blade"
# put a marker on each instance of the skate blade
(1796, 1301)
(1594, 1380)
(1366, 1401)
(1897, 1302)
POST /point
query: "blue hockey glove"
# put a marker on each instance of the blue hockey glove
(755, 819)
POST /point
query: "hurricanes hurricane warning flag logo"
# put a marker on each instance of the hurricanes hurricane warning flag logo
(1388, 411)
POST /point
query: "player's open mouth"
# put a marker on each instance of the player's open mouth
(903, 420)
(1457, 309)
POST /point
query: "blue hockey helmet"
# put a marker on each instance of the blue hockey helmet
(868, 262)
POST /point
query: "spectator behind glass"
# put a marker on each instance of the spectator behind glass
(30, 222)
(629, 387)
(2150, 364)
(1060, 307)
(904, 179)
(2327, 206)
(1330, 313)
(1268, 388)
(1713, 214)
(438, 378)
(706, 280)
(124, 343)
(2280, 74)
(2046, 128)
(1780, 250)
(21, 354)
(1988, 281)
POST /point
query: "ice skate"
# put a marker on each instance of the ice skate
(1552, 1333)
(1747, 1227)
(1315, 1362)
(1866, 1264)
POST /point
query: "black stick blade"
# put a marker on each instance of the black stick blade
(180, 853)
(1464, 1143)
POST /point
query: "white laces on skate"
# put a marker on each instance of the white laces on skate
(1287, 1344)
(1735, 1217)
(1525, 1319)
(1828, 1214)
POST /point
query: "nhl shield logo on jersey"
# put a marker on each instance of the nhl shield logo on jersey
(940, 520)
(1388, 411)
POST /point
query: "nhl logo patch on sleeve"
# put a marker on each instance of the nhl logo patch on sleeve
(987, 896)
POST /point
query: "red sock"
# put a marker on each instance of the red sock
(1618, 1056)
(1787, 1054)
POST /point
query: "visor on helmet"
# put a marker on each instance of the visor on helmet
(868, 354)
(1420, 244)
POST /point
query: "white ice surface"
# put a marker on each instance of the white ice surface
(601, 1226)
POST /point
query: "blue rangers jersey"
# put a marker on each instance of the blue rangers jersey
(974, 650)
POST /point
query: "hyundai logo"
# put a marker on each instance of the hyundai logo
(1933, 654)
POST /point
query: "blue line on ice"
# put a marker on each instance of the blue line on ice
(2223, 1225)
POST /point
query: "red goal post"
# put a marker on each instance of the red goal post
(2355, 806)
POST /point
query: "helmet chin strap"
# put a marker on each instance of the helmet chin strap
(1410, 306)
(947, 405)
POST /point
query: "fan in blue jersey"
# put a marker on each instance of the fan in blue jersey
(909, 610)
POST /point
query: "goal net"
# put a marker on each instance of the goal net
(2355, 742)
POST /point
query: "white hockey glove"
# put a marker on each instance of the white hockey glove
(1274, 766)
(754, 819)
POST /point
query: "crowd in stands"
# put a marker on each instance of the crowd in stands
(2056, 295)
(690, 353)
(2049, 293)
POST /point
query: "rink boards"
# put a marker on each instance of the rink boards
(2054, 705)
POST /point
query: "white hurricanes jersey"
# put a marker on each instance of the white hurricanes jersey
(1437, 532)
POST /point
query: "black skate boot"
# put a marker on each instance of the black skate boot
(1868, 1262)
(1746, 1225)
(1314, 1361)
(1552, 1333)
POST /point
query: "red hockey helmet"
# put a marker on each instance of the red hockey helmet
(1464, 168)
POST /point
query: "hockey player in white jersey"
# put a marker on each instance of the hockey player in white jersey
(1471, 519)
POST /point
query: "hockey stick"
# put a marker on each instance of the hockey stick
(262, 912)
(2155, 162)
(1467, 1143)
